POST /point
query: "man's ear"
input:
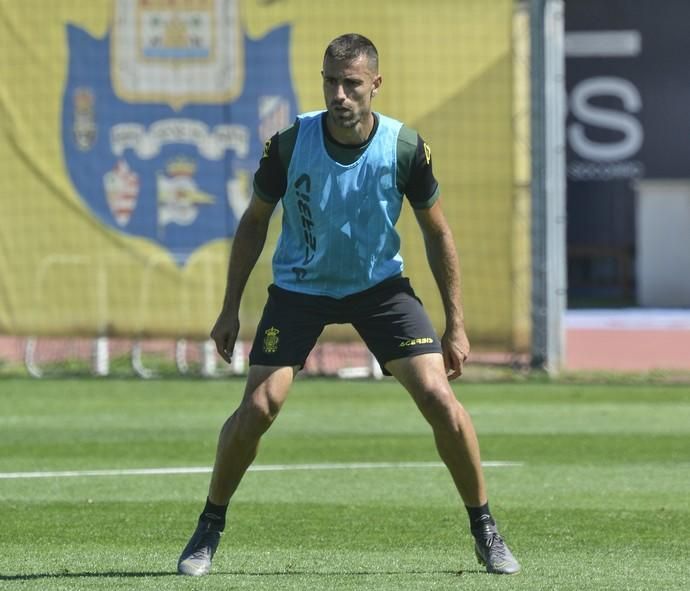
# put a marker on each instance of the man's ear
(377, 84)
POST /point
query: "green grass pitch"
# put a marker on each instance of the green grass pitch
(601, 499)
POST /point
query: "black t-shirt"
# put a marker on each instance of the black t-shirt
(415, 177)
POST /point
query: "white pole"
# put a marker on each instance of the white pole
(30, 358)
(238, 367)
(376, 371)
(556, 258)
(209, 363)
(181, 356)
(548, 184)
(138, 363)
(101, 357)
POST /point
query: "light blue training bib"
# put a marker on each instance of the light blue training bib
(338, 234)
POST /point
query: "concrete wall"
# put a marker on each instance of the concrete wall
(663, 243)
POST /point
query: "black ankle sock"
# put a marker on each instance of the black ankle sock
(215, 514)
(478, 515)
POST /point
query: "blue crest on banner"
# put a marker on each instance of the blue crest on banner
(156, 161)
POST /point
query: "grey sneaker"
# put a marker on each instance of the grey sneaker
(195, 559)
(492, 551)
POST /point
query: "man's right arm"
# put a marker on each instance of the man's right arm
(246, 247)
(270, 180)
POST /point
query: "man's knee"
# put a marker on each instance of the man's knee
(257, 412)
(439, 407)
(265, 392)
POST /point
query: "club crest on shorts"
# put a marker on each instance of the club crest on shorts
(165, 117)
(271, 340)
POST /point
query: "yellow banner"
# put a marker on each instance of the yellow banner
(134, 127)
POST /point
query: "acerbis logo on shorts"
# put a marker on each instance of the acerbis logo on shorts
(271, 340)
(413, 342)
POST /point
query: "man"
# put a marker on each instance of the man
(341, 175)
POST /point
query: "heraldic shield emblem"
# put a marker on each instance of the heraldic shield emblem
(165, 118)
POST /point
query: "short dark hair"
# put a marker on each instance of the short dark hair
(350, 46)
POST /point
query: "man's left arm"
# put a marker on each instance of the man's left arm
(445, 267)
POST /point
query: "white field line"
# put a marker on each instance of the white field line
(256, 468)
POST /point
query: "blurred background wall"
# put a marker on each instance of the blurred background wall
(132, 130)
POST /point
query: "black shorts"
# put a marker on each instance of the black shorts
(389, 317)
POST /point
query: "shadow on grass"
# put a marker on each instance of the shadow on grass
(285, 573)
(92, 575)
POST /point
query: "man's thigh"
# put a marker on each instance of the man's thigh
(287, 332)
(394, 325)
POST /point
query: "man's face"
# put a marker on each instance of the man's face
(348, 88)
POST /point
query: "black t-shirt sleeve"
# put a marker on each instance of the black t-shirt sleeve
(421, 188)
(270, 180)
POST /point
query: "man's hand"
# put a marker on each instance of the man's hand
(456, 348)
(224, 333)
